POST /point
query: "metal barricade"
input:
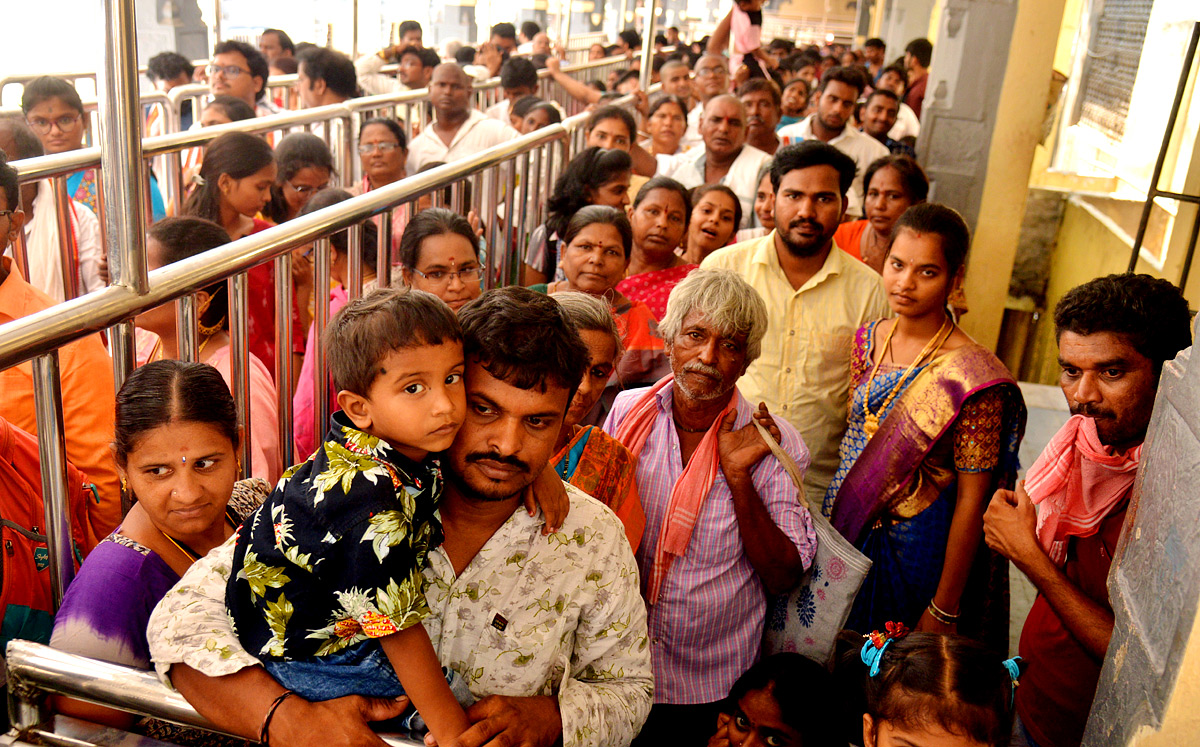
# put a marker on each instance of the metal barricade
(40, 335)
(35, 672)
(579, 45)
(338, 124)
(87, 90)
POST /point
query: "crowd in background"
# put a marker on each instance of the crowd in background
(740, 326)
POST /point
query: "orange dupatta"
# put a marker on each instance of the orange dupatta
(690, 490)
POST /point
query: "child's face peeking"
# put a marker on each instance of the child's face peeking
(417, 401)
(890, 734)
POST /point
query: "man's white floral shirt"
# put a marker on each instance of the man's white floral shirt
(530, 615)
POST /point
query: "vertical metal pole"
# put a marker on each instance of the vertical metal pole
(492, 230)
(1191, 248)
(216, 28)
(186, 321)
(121, 163)
(66, 239)
(283, 352)
(383, 257)
(354, 42)
(21, 254)
(523, 222)
(239, 358)
(458, 198)
(52, 451)
(621, 21)
(647, 69)
(1180, 89)
(567, 25)
(512, 222)
(347, 147)
(321, 321)
(354, 268)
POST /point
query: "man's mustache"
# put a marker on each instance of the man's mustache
(703, 368)
(493, 456)
(1091, 411)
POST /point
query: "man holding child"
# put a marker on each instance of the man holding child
(549, 631)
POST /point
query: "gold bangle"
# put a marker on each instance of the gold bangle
(941, 615)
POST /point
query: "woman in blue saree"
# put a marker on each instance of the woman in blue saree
(934, 424)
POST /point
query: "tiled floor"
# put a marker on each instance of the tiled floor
(1047, 413)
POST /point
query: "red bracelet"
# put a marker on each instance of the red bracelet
(266, 724)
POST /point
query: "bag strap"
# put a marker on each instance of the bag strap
(785, 459)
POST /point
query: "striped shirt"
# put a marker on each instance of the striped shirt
(803, 373)
(706, 629)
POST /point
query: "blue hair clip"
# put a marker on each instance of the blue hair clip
(877, 643)
(1014, 672)
(872, 655)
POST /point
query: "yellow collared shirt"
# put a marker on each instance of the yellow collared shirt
(804, 369)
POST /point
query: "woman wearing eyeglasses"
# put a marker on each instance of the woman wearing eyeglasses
(439, 254)
(54, 111)
(304, 167)
(382, 148)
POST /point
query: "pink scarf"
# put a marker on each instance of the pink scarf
(1081, 481)
(690, 490)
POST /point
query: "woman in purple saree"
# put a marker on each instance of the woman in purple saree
(934, 424)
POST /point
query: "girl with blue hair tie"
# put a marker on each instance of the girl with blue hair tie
(929, 689)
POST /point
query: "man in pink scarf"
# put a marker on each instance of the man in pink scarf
(1114, 334)
(724, 526)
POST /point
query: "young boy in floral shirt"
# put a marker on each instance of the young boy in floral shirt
(327, 586)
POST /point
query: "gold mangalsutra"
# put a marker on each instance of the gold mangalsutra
(870, 419)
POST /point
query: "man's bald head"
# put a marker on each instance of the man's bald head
(725, 99)
(723, 126)
(711, 76)
(452, 70)
(450, 91)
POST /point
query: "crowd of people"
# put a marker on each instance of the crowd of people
(570, 511)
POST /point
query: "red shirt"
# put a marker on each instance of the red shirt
(916, 94)
(1057, 690)
(260, 322)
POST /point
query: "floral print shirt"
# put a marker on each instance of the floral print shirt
(529, 615)
(334, 557)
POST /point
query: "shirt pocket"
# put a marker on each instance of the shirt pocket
(521, 651)
(827, 360)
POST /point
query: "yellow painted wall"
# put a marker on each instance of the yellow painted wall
(1181, 723)
(1010, 158)
(1088, 247)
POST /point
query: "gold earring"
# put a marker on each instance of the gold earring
(124, 486)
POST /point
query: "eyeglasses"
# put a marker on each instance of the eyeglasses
(7, 214)
(64, 123)
(708, 72)
(231, 71)
(367, 149)
(306, 189)
(443, 277)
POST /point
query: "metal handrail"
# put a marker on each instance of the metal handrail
(69, 162)
(64, 323)
(34, 668)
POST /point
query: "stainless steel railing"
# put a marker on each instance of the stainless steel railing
(36, 671)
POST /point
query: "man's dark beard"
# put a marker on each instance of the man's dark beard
(805, 250)
(1119, 435)
(470, 492)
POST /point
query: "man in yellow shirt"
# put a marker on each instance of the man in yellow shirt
(817, 296)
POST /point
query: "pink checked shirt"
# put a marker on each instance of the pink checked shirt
(707, 628)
